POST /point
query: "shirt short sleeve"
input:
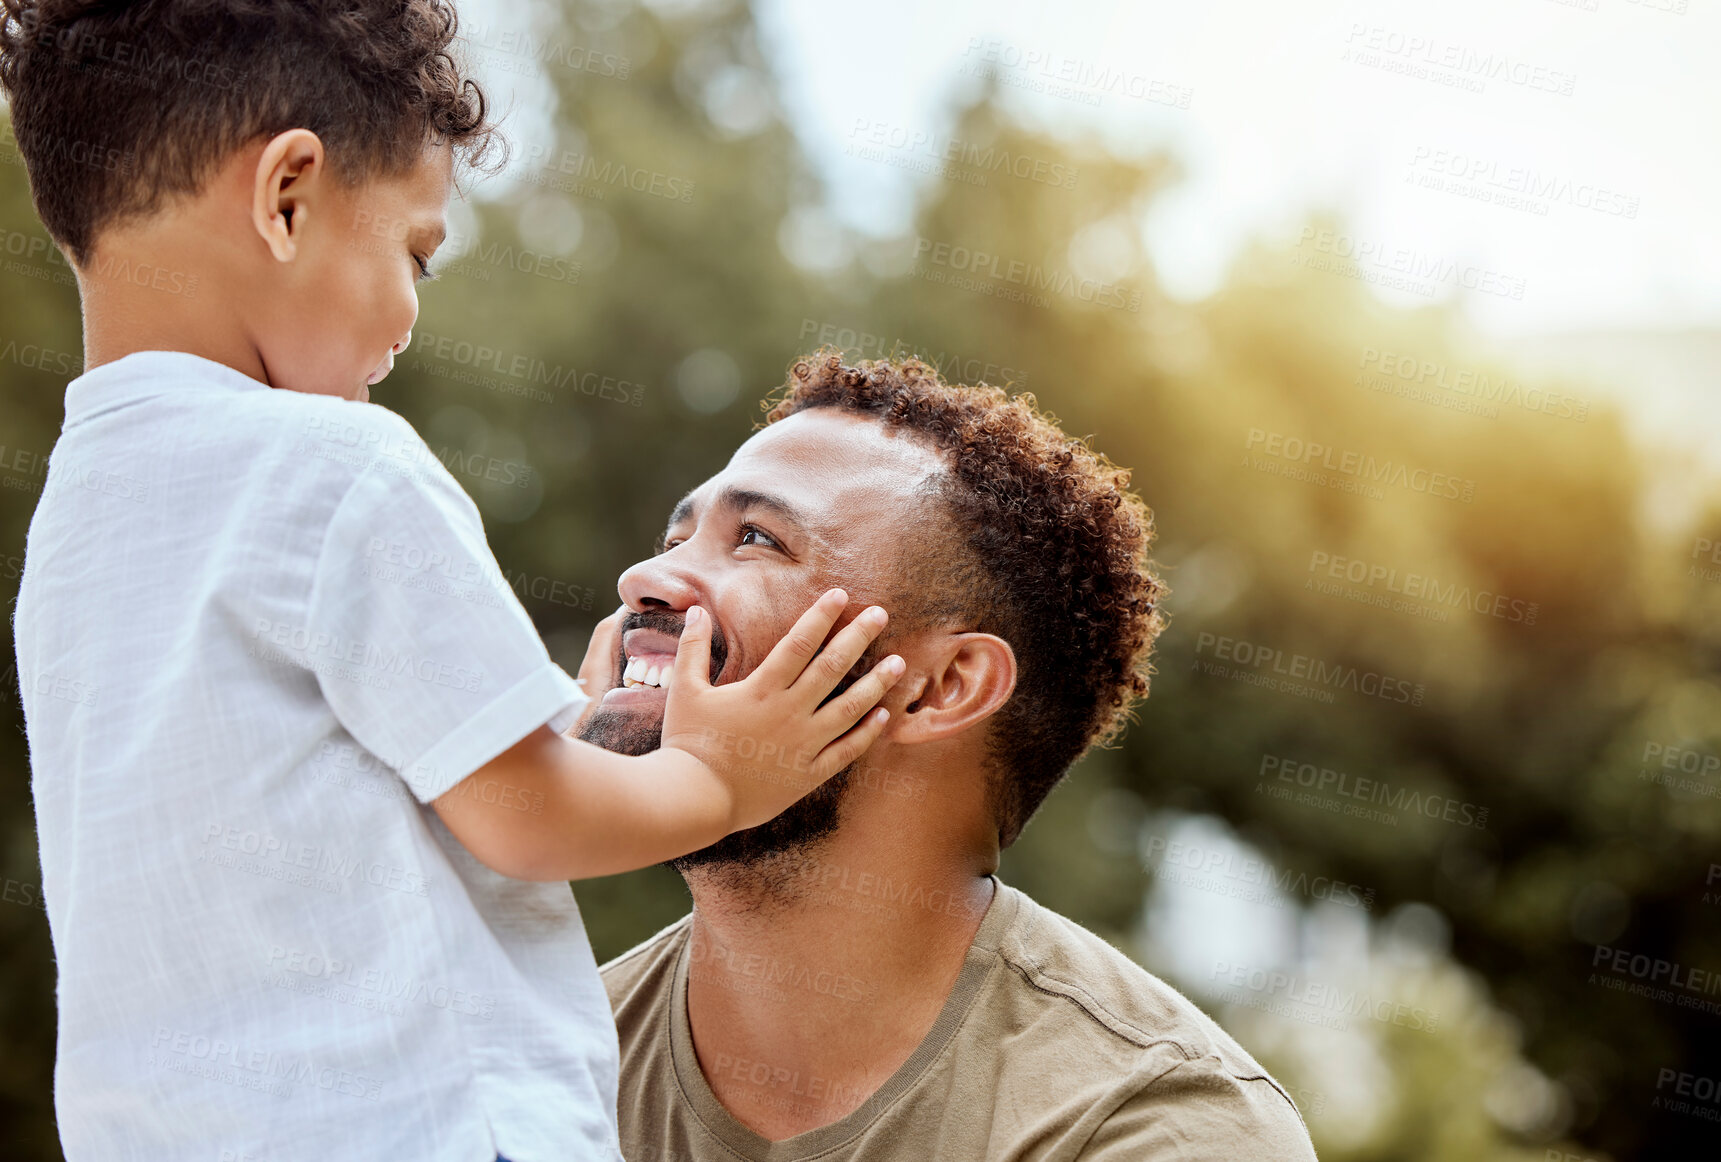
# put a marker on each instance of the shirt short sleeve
(1200, 1112)
(418, 643)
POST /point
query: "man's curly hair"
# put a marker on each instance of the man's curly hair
(120, 104)
(1046, 548)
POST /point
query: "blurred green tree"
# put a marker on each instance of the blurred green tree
(607, 318)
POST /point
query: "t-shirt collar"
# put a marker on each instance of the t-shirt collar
(146, 373)
(981, 959)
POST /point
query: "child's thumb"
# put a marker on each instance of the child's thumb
(693, 651)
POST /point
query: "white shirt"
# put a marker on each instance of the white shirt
(258, 631)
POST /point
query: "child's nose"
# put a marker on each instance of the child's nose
(403, 344)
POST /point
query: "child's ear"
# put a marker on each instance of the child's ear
(288, 172)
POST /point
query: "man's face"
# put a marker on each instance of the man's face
(817, 500)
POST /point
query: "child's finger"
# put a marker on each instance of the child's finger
(848, 708)
(839, 657)
(790, 656)
(597, 670)
(850, 746)
(693, 651)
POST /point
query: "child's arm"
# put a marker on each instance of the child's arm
(554, 808)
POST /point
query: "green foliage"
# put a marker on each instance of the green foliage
(1544, 724)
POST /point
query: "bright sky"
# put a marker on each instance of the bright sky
(1561, 153)
(1279, 122)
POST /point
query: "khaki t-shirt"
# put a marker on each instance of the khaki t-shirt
(1052, 1046)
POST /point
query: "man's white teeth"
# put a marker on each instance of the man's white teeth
(640, 673)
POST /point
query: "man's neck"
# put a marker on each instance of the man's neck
(812, 982)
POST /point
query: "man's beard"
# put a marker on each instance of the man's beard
(807, 821)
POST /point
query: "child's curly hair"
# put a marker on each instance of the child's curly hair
(1046, 547)
(120, 104)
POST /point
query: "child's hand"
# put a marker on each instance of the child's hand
(767, 736)
(597, 670)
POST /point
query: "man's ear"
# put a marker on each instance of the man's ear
(288, 172)
(972, 676)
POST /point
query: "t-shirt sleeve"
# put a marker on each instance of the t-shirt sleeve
(418, 643)
(1200, 1112)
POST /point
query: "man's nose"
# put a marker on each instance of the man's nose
(660, 583)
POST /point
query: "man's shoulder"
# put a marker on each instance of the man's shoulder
(646, 971)
(1062, 959)
(1097, 1004)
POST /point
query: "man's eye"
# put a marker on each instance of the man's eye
(757, 536)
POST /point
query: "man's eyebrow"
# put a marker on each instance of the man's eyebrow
(743, 498)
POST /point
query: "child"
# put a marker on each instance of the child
(296, 752)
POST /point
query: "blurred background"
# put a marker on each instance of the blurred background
(1407, 318)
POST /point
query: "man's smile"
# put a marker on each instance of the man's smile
(645, 662)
